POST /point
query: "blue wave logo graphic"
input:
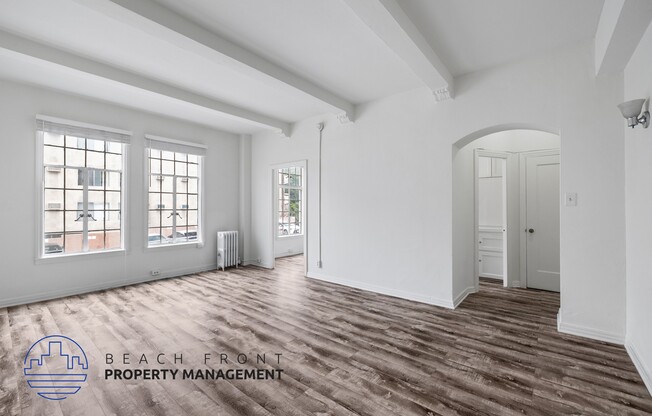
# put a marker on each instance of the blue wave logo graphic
(55, 367)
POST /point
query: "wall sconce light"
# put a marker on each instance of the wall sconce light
(632, 109)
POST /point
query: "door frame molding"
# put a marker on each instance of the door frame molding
(477, 153)
(303, 164)
(523, 156)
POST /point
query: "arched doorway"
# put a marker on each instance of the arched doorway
(514, 147)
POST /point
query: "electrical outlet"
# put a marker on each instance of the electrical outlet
(155, 272)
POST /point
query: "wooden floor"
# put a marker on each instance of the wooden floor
(345, 351)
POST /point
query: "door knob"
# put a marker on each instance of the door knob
(531, 230)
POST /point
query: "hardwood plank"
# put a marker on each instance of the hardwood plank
(345, 351)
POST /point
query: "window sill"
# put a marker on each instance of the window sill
(195, 244)
(279, 237)
(61, 258)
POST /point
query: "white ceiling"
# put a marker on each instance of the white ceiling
(324, 42)
(320, 39)
(470, 35)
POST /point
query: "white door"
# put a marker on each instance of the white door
(542, 221)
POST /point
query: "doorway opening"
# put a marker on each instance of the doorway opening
(289, 211)
(513, 210)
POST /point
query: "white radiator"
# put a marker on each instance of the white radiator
(227, 249)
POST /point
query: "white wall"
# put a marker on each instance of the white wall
(638, 145)
(392, 217)
(288, 246)
(21, 280)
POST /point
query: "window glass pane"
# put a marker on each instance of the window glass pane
(95, 199)
(53, 155)
(155, 166)
(72, 199)
(95, 240)
(53, 199)
(181, 168)
(167, 183)
(181, 157)
(75, 142)
(154, 218)
(193, 184)
(182, 201)
(53, 222)
(53, 139)
(193, 159)
(166, 201)
(113, 181)
(192, 215)
(74, 220)
(75, 157)
(167, 167)
(193, 170)
(113, 162)
(73, 243)
(154, 154)
(95, 160)
(114, 147)
(73, 179)
(53, 243)
(112, 219)
(165, 232)
(167, 155)
(53, 177)
(154, 236)
(182, 185)
(97, 145)
(154, 200)
(113, 239)
(112, 200)
(192, 202)
(155, 183)
(166, 217)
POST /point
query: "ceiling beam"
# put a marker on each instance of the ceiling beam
(620, 29)
(390, 23)
(46, 53)
(162, 23)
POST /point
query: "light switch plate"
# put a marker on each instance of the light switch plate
(571, 199)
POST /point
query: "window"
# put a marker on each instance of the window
(82, 188)
(290, 219)
(174, 206)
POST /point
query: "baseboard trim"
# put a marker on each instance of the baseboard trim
(430, 300)
(280, 256)
(591, 333)
(644, 372)
(80, 290)
(460, 298)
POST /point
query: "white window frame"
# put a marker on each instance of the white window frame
(40, 256)
(277, 196)
(181, 145)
